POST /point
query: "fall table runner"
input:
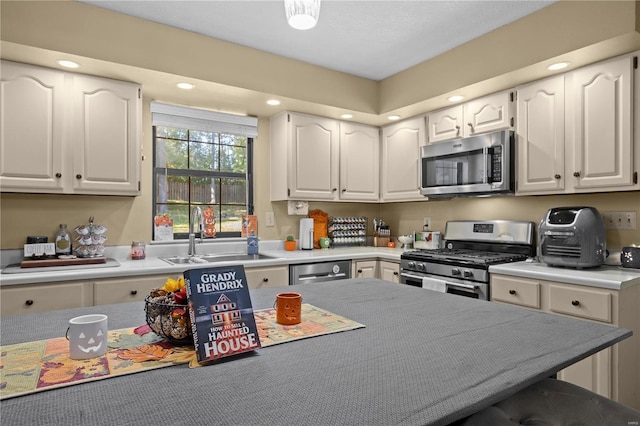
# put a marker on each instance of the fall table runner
(45, 364)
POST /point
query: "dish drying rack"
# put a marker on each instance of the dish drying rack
(346, 231)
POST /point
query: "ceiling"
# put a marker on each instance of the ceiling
(370, 39)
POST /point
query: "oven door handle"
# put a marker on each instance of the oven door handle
(460, 285)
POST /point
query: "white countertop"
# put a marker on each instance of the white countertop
(152, 264)
(611, 277)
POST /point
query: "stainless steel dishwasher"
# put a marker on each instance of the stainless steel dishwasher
(319, 271)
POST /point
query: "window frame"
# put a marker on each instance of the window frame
(248, 176)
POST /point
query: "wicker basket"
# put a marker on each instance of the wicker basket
(163, 321)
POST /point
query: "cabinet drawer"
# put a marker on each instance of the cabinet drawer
(585, 303)
(516, 291)
(28, 299)
(121, 291)
(277, 276)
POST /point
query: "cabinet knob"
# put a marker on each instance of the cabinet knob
(78, 176)
(575, 302)
(457, 130)
(576, 174)
(557, 176)
(359, 271)
(334, 189)
(344, 189)
(471, 127)
(265, 280)
(512, 292)
(396, 273)
(58, 175)
(134, 292)
(29, 302)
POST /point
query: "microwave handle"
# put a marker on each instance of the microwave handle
(487, 153)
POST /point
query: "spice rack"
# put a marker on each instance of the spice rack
(347, 231)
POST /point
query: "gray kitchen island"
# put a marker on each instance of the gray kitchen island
(423, 358)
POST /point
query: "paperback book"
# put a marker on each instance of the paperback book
(221, 313)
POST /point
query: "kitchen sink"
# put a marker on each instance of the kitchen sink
(214, 258)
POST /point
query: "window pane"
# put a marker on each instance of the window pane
(178, 213)
(233, 191)
(202, 156)
(171, 132)
(233, 159)
(204, 190)
(172, 189)
(231, 218)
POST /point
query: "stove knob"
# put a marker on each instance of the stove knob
(455, 271)
(411, 264)
(467, 273)
(422, 267)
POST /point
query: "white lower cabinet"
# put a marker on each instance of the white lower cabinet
(383, 269)
(34, 298)
(364, 269)
(267, 277)
(389, 271)
(613, 372)
(130, 289)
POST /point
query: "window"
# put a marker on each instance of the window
(201, 162)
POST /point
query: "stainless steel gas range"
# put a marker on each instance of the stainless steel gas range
(471, 246)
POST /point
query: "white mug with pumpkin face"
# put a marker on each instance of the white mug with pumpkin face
(87, 336)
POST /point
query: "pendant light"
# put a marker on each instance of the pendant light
(302, 14)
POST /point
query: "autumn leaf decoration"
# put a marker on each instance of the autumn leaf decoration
(145, 353)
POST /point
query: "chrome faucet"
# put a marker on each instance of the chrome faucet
(196, 217)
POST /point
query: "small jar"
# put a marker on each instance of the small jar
(137, 250)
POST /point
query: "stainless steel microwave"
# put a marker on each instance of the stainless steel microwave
(478, 165)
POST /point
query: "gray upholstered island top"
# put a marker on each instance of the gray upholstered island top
(423, 358)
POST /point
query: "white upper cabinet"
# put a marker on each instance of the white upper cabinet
(359, 162)
(401, 144)
(32, 120)
(106, 137)
(575, 131)
(68, 133)
(446, 124)
(304, 157)
(600, 125)
(318, 158)
(540, 136)
(489, 113)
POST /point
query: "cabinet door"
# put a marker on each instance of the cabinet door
(128, 289)
(540, 141)
(445, 124)
(601, 125)
(32, 298)
(364, 269)
(401, 144)
(314, 163)
(268, 277)
(593, 373)
(106, 139)
(389, 271)
(31, 128)
(359, 162)
(489, 113)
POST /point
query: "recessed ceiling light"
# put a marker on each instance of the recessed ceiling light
(456, 98)
(394, 117)
(273, 102)
(347, 116)
(185, 86)
(558, 66)
(67, 64)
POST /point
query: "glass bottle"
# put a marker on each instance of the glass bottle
(63, 240)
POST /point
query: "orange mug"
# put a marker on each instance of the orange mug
(288, 308)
